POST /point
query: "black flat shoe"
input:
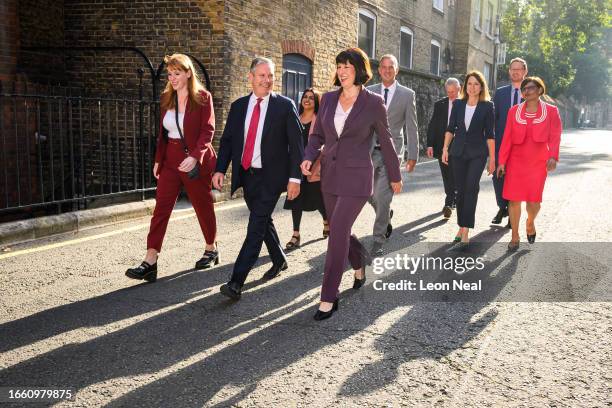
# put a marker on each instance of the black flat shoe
(144, 271)
(232, 290)
(357, 283)
(275, 270)
(208, 259)
(319, 315)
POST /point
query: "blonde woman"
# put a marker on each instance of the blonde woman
(184, 158)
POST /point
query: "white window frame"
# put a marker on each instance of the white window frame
(437, 44)
(488, 25)
(372, 16)
(487, 71)
(438, 5)
(406, 30)
(478, 12)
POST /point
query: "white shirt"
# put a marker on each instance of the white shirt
(392, 89)
(469, 112)
(170, 124)
(340, 118)
(263, 109)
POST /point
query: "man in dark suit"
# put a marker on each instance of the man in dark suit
(263, 140)
(506, 97)
(435, 140)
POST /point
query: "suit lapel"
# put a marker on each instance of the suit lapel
(394, 101)
(268, 118)
(357, 108)
(331, 112)
(475, 116)
(242, 111)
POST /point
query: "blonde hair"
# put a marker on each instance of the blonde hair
(194, 86)
(484, 89)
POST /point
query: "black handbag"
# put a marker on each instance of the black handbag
(195, 172)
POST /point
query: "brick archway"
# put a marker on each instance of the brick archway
(298, 47)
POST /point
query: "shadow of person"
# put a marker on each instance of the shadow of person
(229, 373)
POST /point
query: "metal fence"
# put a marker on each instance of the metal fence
(63, 151)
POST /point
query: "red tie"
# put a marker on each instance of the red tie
(247, 155)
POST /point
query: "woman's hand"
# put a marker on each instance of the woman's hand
(501, 170)
(491, 167)
(551, 164)
(188, 164)
(445, 155)
(156, 170)
(396, 187)
(305, 166)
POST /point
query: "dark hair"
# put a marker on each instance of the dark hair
(537, 81)
(484, 89)
(317, 96)
(357, 58)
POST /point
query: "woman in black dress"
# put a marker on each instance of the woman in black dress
(310, 198)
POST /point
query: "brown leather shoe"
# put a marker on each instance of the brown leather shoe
(447, 211)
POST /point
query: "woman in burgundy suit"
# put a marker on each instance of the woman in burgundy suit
(529, 150)
(179, 151)
(346, 124)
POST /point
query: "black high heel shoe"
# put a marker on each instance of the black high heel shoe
(144, 271)
(319, 315)
(531, 238)
(208, 259)
(357, 283)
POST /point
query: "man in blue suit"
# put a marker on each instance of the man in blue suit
(506, 97)
(262, 139)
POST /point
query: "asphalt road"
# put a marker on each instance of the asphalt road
(538, 334)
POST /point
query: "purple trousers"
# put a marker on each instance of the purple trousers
(341, 214)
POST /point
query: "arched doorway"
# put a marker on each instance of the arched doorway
(297, 76)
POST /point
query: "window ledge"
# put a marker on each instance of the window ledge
(477, 28)
(437, 10)
(490, 37)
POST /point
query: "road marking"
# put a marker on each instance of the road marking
(110, 233)
(123, 230)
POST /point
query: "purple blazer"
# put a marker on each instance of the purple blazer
(346, 161)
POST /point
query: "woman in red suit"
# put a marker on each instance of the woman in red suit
(529, 150)
(179, 151)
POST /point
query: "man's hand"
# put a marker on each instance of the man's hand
(217, 180)
(430, 152)
(188, 164)
(396, 187)
(410, 165)
(293, 190)
(305, 166)
(551, 164)
(156, 170)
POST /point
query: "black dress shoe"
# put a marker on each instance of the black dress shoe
(232, 290)
(499, 216)
(208, 259)
(358, 283)
(389, 226)
(275, 270)
(319, 315)
(447, 211)
(144, 271)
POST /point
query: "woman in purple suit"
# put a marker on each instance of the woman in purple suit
(347, 121)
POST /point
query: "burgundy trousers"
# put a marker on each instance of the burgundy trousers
(341, 246)
(168, 188)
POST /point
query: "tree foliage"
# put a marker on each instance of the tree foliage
(561, 40)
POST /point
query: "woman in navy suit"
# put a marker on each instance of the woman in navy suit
(346, 124)
(470, 128)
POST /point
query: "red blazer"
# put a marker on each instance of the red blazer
(546, 128)
(198, 130)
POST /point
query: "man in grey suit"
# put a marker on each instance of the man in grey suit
(401, 114)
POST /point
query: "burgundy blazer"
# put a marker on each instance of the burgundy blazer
(346, 162)
(198, 130)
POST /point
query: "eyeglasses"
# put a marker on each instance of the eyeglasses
(529, 88)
